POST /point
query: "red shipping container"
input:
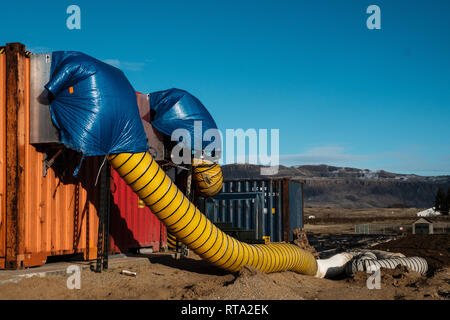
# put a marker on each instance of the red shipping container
(132, 225)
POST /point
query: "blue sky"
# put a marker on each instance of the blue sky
(340, 94)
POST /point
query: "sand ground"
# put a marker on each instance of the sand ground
(160, 276)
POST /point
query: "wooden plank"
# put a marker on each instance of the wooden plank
(15, 101)
(2, 158)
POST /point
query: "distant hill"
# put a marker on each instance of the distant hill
(351, 187)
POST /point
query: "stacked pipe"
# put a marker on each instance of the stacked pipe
(182, 219)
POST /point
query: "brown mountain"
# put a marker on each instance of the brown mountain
(351, 187)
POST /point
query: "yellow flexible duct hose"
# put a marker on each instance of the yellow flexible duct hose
(208, 178)
(171, 240)
(208, 181)
(141, 172)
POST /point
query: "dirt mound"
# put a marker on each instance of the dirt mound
(435, 248)
(250, 284)
(245, 284)
(249, 272)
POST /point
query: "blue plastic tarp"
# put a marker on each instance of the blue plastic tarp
(94, 106)
(178, 109)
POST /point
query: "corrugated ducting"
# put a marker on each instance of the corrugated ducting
(133, 225)
(40, 215)
(240, 201)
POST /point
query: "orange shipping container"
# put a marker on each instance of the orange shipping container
(40, 215)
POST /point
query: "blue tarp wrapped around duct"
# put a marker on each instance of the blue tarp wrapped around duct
(94, 106)
(178, 109)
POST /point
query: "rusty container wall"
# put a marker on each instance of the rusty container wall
(133, 225)
(2, 158)
(60, 214)
(53, 214)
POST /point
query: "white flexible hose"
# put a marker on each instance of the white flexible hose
(352, 262)
(331, 267)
